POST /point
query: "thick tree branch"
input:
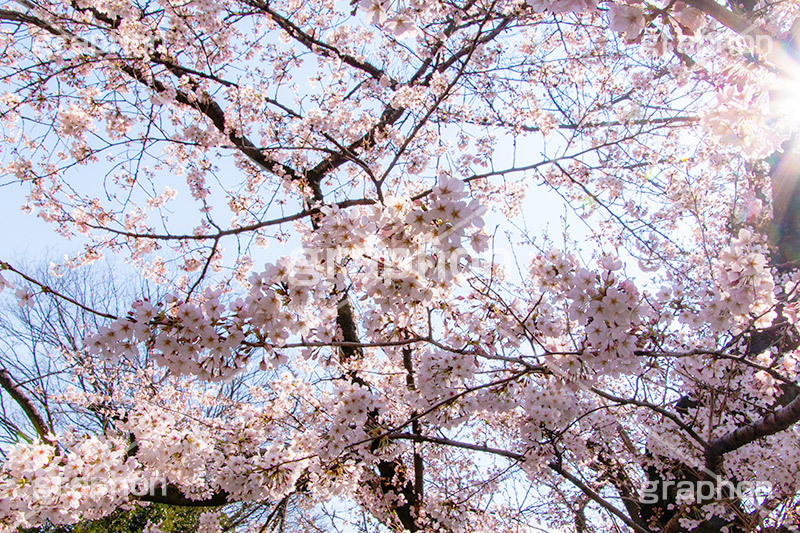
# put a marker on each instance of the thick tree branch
(726, 17)
(13, 390)
(171, 495)
(778, 421)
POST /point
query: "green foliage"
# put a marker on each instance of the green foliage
(170, 519)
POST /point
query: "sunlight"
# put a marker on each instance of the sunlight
(786, 102)
(785, 98)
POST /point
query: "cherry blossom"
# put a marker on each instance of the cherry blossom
(376, 11)
(626, 19)
(412, 266)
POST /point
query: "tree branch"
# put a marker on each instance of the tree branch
(13, 390)
(769, 425)
(171, 495)
(555, 467)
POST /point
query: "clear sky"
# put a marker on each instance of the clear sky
(25, 234)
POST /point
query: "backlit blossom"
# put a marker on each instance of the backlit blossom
(626, 19)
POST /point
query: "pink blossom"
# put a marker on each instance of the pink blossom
(626, 19)
(376, 11)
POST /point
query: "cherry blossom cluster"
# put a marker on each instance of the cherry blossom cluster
(208, 338)
(604, 305)
(390, 359)
(355, 405)
(748, 119)
(159, 441)
(39, 482)
(401, 22)
(448, 373)
(548, 406)
(744, 292)
(407, 253)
